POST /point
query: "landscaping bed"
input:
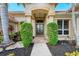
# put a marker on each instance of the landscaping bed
(61, 48)
(17, 51)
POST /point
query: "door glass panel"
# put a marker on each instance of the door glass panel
(39, 28)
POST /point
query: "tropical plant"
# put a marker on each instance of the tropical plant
(16, 37)
(4, 21)
(11, 54)
(26, 33)
(52, 32)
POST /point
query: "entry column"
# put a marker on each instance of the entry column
(28, 18)
(49, 19)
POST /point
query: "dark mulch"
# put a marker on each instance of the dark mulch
(18, 51)
(61, 48)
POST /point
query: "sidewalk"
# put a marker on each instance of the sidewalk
(40, 49)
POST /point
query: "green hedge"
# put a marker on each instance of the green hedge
(26, 33)
(52, 31)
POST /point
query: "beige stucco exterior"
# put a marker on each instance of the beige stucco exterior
(51, 16)
(30, 18)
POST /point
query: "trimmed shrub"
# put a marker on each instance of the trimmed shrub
(52, 32)
(26, 33)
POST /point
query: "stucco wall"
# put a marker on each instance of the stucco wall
(71, 30)
(28, 12)
(77, 24)
(47, 20)
(33, 6)
(61, 15)
(50, 18)
(34, 27)
(20, 18)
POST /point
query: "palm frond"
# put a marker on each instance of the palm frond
(21, 4)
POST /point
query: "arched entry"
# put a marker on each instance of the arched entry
(39, 16)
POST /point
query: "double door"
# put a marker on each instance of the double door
(39, 28)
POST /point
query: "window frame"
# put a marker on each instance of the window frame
(63, 28)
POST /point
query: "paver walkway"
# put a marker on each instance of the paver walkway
(40, 48)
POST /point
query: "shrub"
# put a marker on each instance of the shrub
(73, 53)
(26, 33)
(52, 32)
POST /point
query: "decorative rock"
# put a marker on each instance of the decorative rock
(1, 49)
(19, 45)
(11, 47)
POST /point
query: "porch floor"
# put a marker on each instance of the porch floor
(39, 39)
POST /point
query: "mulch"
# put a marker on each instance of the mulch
(18, 51)
(60, 49)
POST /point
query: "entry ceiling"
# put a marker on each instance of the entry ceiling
(39, 14)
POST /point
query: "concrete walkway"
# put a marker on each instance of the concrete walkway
(39, 39)
(40, 48)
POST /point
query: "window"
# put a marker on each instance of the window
(63, 27)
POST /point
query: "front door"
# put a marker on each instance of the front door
(39, 28)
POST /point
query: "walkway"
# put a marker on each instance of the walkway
(39, 39)
(40, 48)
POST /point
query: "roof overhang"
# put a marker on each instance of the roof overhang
(54, 4)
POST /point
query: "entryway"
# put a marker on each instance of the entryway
(39, 32)
(39, 16)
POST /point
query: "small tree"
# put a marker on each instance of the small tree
(52, 31)
(26, 33)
